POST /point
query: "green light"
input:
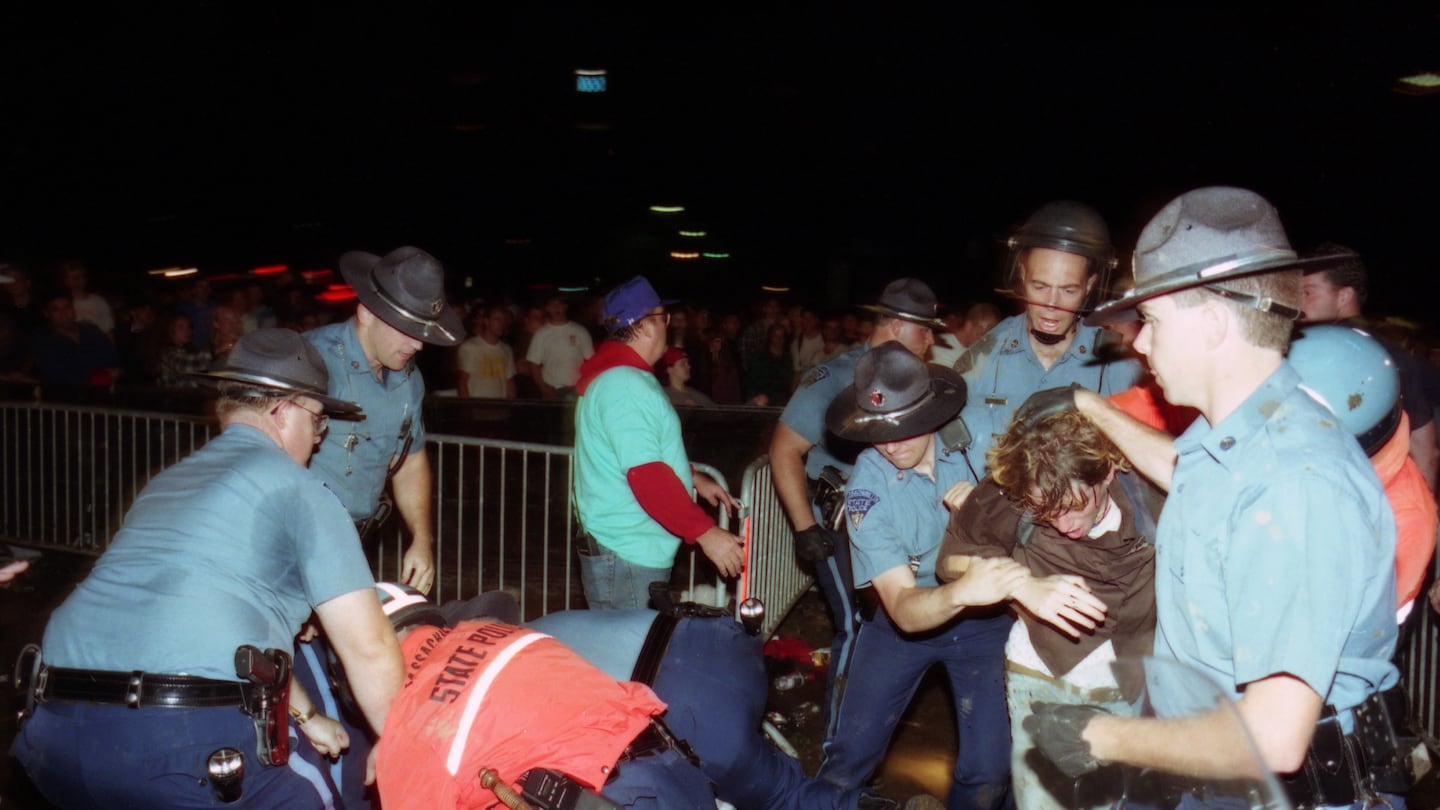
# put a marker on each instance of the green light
(573, 289)
(693, 234)
(667, 209)
(716, 255)
(1422, 80)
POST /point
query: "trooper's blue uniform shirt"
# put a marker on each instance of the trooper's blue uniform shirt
(1276, 551)
(355, 457)
(1001, 371)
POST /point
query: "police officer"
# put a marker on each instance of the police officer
(896, 520)
(486, 695)
(141, 700)
(711, 675)
(801, 450)
(371, 361)
(1275, 550)
(1059, 262)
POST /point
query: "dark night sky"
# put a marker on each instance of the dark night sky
(803, 138)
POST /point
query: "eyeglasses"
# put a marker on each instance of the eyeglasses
(319, 421)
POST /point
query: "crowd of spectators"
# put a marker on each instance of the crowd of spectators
(61, 329)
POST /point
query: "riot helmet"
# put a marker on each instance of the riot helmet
(1063, 227)
(1354, 376)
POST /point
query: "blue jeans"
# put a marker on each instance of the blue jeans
(611, 583)
(1037, 783)
(884, 674)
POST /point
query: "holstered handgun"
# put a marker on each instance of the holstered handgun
(830, 498)
(268, 701)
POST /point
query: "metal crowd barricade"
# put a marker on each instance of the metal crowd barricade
(68, 473)
(774, 576)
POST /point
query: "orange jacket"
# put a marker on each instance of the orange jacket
(492, 695)
(1414, 508)
(1146, 403)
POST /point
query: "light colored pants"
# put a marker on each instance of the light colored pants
(1038, 784)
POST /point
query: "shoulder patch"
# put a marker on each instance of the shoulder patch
(979, 348)
(858, 503)
(816, 375)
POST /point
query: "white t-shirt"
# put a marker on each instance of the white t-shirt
(488, 366)
(559, 350)
(95, 309)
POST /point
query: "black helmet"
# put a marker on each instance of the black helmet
(1067, 226)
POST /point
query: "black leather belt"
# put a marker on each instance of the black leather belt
(136, 689)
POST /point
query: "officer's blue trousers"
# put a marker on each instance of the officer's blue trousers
(85, 755)
(886, 671)
(836, 584)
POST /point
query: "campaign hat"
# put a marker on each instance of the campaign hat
(405, 288)
(896, 395)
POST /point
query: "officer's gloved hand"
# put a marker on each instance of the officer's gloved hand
(1056, 730)
(814, 545)
(1045, 403)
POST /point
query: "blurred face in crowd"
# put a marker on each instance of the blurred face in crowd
(679, 372)
(555, 310)
(534, 319)
(730, 325)
(181, 331)
(60, 312)
(1054, 284)
(226, 326)
(1322, 301)
(495, 324)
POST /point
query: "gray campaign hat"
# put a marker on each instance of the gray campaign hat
(406, 289)
(909, 299)
(896, 395)
(1204, 236)
(283, 362)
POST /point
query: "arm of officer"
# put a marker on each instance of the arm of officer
(913, 608)
(363, 639)
(411, 486)
(787, 470)
(1279, 713)
(1150, 450)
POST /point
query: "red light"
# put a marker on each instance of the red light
(337, 293)
(316, 276)
(270, 270)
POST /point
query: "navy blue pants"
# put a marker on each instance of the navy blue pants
(85, 755)
(836, 584)
(887, 668)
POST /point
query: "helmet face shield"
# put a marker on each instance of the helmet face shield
(1067, 227)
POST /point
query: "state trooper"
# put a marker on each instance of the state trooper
(1059, 263)
(164, 680)
(896, 518)
(809, 464)
(1275, 573)
(371, 361)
